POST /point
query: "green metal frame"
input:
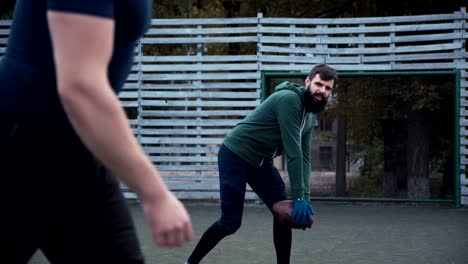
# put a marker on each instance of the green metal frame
(457, 201)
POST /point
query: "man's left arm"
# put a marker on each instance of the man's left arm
(306, 148)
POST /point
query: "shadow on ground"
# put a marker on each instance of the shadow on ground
(342, 233)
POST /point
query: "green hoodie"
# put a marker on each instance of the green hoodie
(279, 123)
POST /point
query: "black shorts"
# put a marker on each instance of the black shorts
(57, 198)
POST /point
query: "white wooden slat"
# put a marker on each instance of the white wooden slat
(338, 67)
(132, 77)
(208, 195)
(464, 132)
(173, 150)
(464, 112)
(325, 40)
(361, 20)
(196, 178)
(189, 122)
(133, 122)
(129, 195)
(401, 49)
(412, 57)
(193, 186)
(183, 140)
(357, 29)
(463, 180)
(343, 59)
(428, 37)
(199, 67)
(464, 190)
(356, 59)
(464, 200)
(463, 150)
(208, 113)
(203, 21)
(424, 66)
(187, 167)
(188, 132)
(127, 95)
(463, 102)
(198, 40)
(183, 159)
(463, 121)
(462, 65)
(201, 85)
(463, 94)
(200, 94)
(208, 58)
(291, 59)
(6, 22)
(189, 195)
(127, 86)
(129, 103)
(464, 74)
(161, 103)
(200, 31)
(198, 185)
(206, 76)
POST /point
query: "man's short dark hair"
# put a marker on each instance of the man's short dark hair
(325, 72)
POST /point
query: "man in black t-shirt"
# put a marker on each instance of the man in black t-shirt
(60, 119)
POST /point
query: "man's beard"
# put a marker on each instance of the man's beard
(312, 106)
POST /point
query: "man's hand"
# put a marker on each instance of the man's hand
(169, 221)
(302, 211)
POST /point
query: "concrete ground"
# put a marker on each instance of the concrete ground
(343, 233)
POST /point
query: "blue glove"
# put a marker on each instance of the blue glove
(302, 211)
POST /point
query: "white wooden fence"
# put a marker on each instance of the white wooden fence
(184, 100)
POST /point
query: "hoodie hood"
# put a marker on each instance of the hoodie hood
(298, 89)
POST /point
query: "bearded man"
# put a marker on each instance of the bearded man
(281, 123)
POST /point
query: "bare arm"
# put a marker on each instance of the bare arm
(82, 47)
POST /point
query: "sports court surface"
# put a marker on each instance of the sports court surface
(343, 233)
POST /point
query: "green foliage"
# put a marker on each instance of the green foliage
(285, 8)
(366, 101)
(369, 182)
(299, 8)
(188, 9)
(6, 9)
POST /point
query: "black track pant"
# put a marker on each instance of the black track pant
(57, 198)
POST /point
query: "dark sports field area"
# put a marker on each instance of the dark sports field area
(345, 233)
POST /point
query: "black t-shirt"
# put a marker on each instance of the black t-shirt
(27, 72)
